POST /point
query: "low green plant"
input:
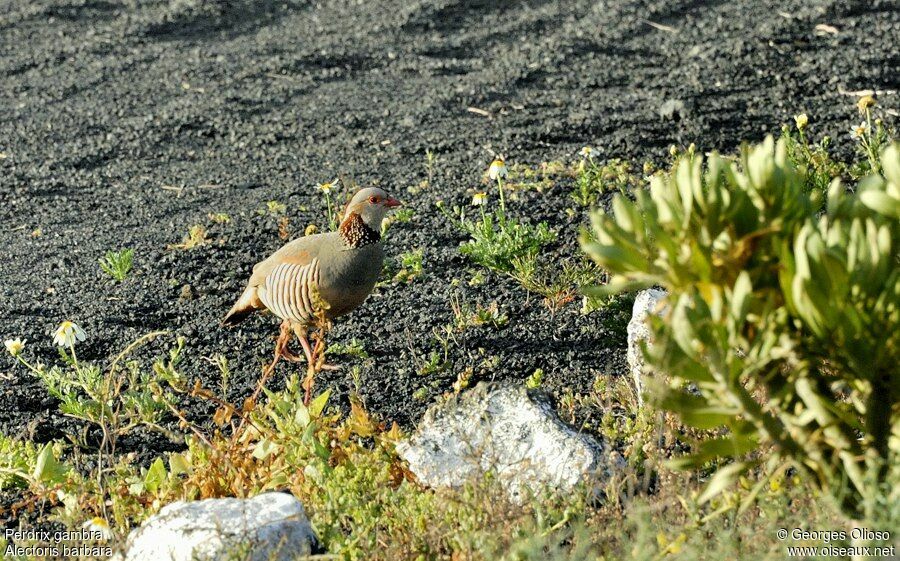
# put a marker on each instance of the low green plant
(196, 237)
(409, 266)
(119, 398)
(273, 208)
(496, 240)
(117, 264)
(558, 283)
(813, 161)
(466, 316)
(219, 217)
(535, 380)
(786, 321)
(593, 179)
(355, 348)
(24, 463)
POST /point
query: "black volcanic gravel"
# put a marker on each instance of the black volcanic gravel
(124, 123)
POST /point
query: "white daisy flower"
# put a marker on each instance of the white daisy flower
(479, 199)
(801, 120)
(328, 187)
(67, 333)
(497, 169)
(861, 130)
(14, 346)
(99, 527)
(586, 152)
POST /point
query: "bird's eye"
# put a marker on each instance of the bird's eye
(373, 200)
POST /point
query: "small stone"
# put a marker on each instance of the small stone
(509, 431)
(648, 302)
(673, 110)
(268, 527)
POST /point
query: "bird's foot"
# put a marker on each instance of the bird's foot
(290, 356)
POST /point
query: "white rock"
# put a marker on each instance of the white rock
(650, 301)
(506, 430)
(268, 527)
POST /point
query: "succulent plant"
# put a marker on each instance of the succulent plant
(784, 317)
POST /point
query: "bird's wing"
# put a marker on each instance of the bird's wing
(298, 252)
(284, 277)
(289, 289)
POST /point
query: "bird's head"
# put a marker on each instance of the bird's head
(371, 204)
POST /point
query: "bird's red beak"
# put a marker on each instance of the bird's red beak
(391, 202)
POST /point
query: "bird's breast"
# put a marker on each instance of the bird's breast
(348, 279)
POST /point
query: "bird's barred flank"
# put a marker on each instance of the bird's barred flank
(288, 290)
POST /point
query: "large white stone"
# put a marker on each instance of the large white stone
(648, 302)
(506, 430)
(268, 527)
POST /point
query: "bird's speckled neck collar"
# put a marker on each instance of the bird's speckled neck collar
(356, 233)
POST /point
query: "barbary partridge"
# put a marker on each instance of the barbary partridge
(319, 275)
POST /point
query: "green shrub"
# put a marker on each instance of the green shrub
(593, 180)
(786, 319)
(24, 463)
(117, 264)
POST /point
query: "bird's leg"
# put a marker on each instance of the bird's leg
(315, 359)
(306, 348)
(319, 351)
(310, 361)
(284, 338)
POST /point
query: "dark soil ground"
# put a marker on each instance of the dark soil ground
(124, 123)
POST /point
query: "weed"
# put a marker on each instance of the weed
(117, 399)
(410, 266)
(535, 380)
(558, 285)
(430, 161)
(593, 180)
(355, 348)
(219, 217)
(284, 228)
(274, 208)
(117, 264)
(24, 463)
(436, 362)
(496, 239)
(196, 237)
(463, 379)
(465, 316)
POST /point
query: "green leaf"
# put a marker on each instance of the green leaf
(179, 464)
(47, 468)
(723, 478)
(740, 296)
(301, 416)
(318, 404)
(156, 476)
(616, 285)
(696, 411)
(264, 448)
(879, 201)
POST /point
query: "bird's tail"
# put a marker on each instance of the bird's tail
(247, 304)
